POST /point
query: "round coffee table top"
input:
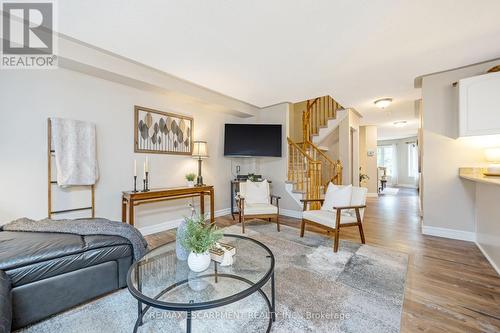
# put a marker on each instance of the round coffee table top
(162, 281)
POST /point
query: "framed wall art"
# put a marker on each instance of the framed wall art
(162, 132)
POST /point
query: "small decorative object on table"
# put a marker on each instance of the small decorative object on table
(146, 176)
(200, 238)
(252, 177)
(190, 177)
(135, 176)
(223, 253)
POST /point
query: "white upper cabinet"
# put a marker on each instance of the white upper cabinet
(479, 105)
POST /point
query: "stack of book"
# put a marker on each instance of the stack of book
(217, 253)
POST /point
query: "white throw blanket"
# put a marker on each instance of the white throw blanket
(74, 143)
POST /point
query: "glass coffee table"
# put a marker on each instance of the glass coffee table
(159, 280)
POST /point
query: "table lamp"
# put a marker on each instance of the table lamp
(493, 156)
(200, 151)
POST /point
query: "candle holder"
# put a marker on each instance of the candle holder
(145, 187)
(135, 184)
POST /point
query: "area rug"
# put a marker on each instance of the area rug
(358, 289)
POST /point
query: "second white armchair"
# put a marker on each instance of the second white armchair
(256, 202)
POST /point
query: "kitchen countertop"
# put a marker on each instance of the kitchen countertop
(476, 175)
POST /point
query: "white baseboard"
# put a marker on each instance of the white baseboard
(488, 258)
(291, 213)
(406, 185)
(172, 224)
(449, 233)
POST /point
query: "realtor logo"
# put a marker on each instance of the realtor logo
(27, 35)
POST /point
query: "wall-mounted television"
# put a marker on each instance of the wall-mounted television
(252, 140)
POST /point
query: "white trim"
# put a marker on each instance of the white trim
(291, 213)
(492, 263)
(372, 195)
(172, 224)
(449, 233)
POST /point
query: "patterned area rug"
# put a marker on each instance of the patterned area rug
(358, 289)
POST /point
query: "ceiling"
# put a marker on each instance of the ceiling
(266, 52)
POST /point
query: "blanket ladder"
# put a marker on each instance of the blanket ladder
(50, 182)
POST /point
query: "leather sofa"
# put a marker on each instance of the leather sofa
(5, 303)
(42, 274)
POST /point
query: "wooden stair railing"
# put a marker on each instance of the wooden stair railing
(303, 172)
(318, 111)
(310, 169)
(331, 170)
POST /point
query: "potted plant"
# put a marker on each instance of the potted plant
(362, 177)
(190, 177)
(252, 177)
(199, 239)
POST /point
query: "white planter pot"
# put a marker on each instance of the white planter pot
(190, 183)
(198, 262)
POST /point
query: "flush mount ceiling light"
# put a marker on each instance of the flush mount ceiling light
(383, 102)
(401, 123)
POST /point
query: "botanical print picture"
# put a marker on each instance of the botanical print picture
(162, 132)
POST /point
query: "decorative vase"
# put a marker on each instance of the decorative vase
(198, 262)
(181, 252)
(190, 183)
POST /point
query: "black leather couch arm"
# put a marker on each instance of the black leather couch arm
(5, 303)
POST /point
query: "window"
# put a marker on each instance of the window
(385, 158)
(412, 160)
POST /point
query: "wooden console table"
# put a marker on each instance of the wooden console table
(131, 199)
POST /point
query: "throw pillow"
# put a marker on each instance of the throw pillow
(337, 196)
(257, 192)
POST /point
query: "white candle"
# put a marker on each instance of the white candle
(144, 169)
(147, 164)
(135, 167)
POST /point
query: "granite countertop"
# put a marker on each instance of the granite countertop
(476, 175)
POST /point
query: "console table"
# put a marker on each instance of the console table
(130, 199)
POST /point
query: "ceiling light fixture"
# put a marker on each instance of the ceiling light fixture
(383, 102)
(401, 123)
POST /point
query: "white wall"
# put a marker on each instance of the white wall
(403, 179)
(448, 202)
(28, 97)
(275, 168)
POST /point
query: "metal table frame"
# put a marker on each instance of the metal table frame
(191, 306)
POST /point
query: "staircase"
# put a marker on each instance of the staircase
(309, 168)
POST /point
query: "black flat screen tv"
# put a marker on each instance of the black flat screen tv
(252, 140)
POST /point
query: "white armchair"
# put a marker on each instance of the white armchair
(256, 202)
(343, 206)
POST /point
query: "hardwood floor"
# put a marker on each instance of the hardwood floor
(450, 285)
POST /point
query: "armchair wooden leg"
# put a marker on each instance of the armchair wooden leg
(336, 240)
(361, 233)
(302, 228)
(278, 222)
(243, 225)
(337, 231)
